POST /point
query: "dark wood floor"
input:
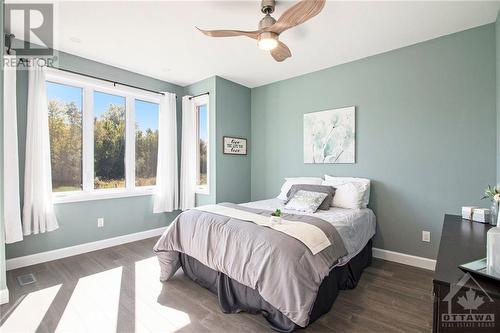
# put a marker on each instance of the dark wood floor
(117, 289)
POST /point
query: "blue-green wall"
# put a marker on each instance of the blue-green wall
(425, 132)
(229, 116)
(233, 119)
(77, 221)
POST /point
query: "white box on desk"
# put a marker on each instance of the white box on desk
(476, 214)
(467, 212)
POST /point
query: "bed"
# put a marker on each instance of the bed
(258, 270)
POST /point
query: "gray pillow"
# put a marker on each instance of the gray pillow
(306, 201)
(329, 190)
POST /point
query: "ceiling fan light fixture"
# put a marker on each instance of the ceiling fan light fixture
(267, 35)
(267, 41)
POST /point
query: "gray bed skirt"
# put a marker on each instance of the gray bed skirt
(235, 297)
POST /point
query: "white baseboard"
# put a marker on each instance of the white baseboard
(4, 296)
(406, 259)
(38, 258)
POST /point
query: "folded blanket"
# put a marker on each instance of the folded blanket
(309, 234)
(282, 269)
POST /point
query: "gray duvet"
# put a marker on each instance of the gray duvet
(281, 268)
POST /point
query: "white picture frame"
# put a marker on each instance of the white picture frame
(234, 145)
(330, 136)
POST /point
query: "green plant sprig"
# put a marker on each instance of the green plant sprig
(491, 191)
(277, 213)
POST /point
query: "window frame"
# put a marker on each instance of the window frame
(199, 101)
(88, 86)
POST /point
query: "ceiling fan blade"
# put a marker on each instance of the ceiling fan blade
(230, 33)
(281, 52)
(297, 14)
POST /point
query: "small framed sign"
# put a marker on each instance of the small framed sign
(234, 146)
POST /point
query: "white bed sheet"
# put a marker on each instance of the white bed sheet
(355, 226)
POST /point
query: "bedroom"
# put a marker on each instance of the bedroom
(140, 153)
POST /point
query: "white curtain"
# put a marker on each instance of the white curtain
(12, 205)
(167, 181)
(38, 209)
(188, 154)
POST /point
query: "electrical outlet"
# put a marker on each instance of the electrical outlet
(100, 222)
(426, 236)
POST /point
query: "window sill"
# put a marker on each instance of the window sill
(104, 195)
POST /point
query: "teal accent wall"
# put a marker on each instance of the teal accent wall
(229, 116)
(425, 132)
(201, 87)
(78, 221)
(233, 119)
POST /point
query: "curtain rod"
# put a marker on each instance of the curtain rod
(8, 43)
(205, 93)
(103, 79)
(110, 81)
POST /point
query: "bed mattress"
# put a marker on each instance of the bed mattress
(355, 226)
(261, 259)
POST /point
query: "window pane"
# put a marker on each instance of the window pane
(146, 142)
(203, 139)
(109, 141)
(65, 128)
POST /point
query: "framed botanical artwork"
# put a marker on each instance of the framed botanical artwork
(234, 146)
(330, 136)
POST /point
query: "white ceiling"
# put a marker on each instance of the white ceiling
(158, 39)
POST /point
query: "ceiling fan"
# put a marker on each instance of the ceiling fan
(269, 29)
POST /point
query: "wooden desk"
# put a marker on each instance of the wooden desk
(463, 241)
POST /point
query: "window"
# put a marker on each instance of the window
(146, 142)
(109, 141)
(104, 139)
(202, 156)
(65, 126)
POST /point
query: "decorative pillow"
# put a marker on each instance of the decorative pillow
(297, 180)
(306, 201)
(347, 195)
(364, 185)
(329, 190)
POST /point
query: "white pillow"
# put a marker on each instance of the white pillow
(364, 186)
(348, 195)
(297, 180)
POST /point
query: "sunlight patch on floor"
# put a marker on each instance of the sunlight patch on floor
(29, 313)
(149, 314)
(93, 306)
